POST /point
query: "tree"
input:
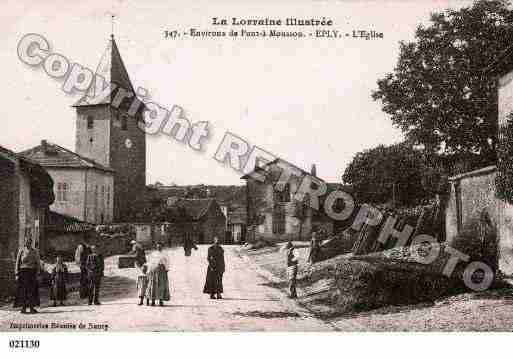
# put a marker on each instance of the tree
(442, 93)
(385, 173)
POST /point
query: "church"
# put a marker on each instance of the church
(104, 180)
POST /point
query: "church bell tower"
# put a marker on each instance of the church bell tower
(107, 132)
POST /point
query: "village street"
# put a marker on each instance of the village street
(250, 302)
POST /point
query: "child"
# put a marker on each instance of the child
(142, 284)
(59, 278)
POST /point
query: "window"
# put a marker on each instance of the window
(278, 220)
(108, 197)
(96, 203)
(90, 122)
(102, 196)
(282, 196)
(124, 122)
(63, 191)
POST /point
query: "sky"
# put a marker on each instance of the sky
(305, 100)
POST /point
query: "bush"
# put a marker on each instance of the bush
(361, 285)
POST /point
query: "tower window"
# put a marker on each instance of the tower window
(90, 122)
(124, 122)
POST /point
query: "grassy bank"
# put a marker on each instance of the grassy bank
(345, 284)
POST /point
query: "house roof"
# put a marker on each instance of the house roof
(112, 68)
(51, 155)
(41, 182)
(196, 208)
(186, 209)
(478, 172)
(263, 169)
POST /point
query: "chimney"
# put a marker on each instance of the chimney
(48, 149)
(313, 171)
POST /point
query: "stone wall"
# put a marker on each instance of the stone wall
(476, 193)
(7, 277)
(470, 195)
(8, 227)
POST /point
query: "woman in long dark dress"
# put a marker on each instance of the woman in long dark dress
(215, 271)
(59, 279)
(26, 270)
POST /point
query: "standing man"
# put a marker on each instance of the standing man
(188, 245)
(81, 255)
(27, 269)
(215, 270)
(291, 269)
(95, 266)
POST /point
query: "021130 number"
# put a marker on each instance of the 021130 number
(23, 344)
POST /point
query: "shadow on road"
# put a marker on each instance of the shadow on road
(280, 285)
(251, 299)
(267, 315)
(117, 287)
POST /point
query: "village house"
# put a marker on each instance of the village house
(199, 220)
(236, 220)
(273, 213)
(83, 187)
(25, 194)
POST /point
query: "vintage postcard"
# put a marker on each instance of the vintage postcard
(286, 166)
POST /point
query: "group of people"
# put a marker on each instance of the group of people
(28, 267)
(153, 279)
(92, 266)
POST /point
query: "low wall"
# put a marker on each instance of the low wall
(7, 278)
(470, 195)
(65, 244)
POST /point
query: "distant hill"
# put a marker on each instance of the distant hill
(232, 195)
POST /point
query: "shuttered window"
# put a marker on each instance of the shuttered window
(278, 220)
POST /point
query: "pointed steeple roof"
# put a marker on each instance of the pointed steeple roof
(113, 71)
